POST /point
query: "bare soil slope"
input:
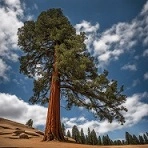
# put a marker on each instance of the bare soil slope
(10, 131)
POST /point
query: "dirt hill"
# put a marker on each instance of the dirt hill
(11, 132)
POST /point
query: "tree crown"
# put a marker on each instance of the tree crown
(51, 39)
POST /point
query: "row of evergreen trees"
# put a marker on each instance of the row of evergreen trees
(132, 139)
(92, 139)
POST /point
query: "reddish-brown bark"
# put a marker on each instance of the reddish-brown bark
(53, 130)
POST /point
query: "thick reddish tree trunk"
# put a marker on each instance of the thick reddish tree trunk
(53, 130)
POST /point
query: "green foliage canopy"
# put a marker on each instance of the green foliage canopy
(52, 36)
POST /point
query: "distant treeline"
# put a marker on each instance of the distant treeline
(92, 139)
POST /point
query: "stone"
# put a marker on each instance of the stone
(31, 133)
(23, 136)
(40, 132)
(18, 132)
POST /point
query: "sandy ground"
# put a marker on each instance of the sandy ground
(7, 139)
(36, 143)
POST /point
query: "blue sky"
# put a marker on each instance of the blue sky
(117, 33)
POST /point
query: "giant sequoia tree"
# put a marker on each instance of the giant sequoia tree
(58, 56)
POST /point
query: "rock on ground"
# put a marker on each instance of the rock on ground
(23, 136)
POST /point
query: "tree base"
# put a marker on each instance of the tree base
(51, 137)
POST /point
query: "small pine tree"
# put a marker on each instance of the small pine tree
(106, 140)
(111, 142)
(115, 142)
(29, 123)
(83, 140)
(123, 142)
(103, 140)
(141, 140)
(76, 134)
(129, 138)
(94, 140)
(86, 139)
(119, 142)
(99, 141)
(135, 140)
(145, 138)
(89, 136)
(68, 134)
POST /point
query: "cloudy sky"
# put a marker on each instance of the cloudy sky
(117, 33)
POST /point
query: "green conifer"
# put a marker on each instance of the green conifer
(99, 140)
(68, 134)
(83, 140)
(76, 134)
(94, 140)
(58, 56)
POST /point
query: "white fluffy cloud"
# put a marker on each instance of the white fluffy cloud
(136, 111)
(87, 27)
(118, 39)
(3, 70)
(135, 82)
(11, 12)
(145, 53)
(10, 22)
(130, 67)
(14, 108)
(90, 30)
(145, 9)
(146, 76)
